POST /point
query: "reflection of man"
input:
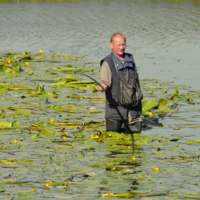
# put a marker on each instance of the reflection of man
(118, 62)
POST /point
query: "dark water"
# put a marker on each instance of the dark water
(162, 35)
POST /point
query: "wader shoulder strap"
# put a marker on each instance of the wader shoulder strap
(116, 68)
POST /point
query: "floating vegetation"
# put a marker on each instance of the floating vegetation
(54, 144)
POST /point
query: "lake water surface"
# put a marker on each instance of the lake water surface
(162, 35)
(58, 152)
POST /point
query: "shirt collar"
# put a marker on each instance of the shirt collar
(127, 61)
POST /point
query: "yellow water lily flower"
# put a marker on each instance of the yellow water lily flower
(41, 52)
(63, 138)
(94, 136)
(133, 158)
(107, 195)
(52, 121)
(156, 169)
(151, 114)
(27, 64)
(9, 61)
(15, 141)
(47, 186)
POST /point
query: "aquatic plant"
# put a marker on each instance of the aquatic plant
(54, 144)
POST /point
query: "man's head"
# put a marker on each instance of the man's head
(118, 44)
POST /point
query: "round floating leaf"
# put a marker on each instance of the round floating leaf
(70, 78)
(5, 124)
(148, 104)
(162, 102)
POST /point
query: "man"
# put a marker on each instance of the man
(115, 65)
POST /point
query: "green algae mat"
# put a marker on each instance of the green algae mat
(54, 145)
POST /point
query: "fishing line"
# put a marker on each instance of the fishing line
(93, 80)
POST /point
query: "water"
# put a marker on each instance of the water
(162, 35)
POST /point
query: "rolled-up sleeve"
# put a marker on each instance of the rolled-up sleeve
(106, 74)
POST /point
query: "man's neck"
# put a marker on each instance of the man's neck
(120, 57)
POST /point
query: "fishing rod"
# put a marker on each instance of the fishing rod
(93, 80)
(116, 110)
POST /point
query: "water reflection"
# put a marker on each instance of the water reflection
(128, 168)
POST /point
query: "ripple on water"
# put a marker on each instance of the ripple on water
(163, 36)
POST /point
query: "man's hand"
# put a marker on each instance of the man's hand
(104, 85)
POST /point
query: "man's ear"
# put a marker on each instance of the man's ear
(111, 45)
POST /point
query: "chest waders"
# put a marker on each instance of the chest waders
(117, 115)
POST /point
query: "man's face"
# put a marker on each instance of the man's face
(118, 45)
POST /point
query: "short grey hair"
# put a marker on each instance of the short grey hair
(115, 35)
